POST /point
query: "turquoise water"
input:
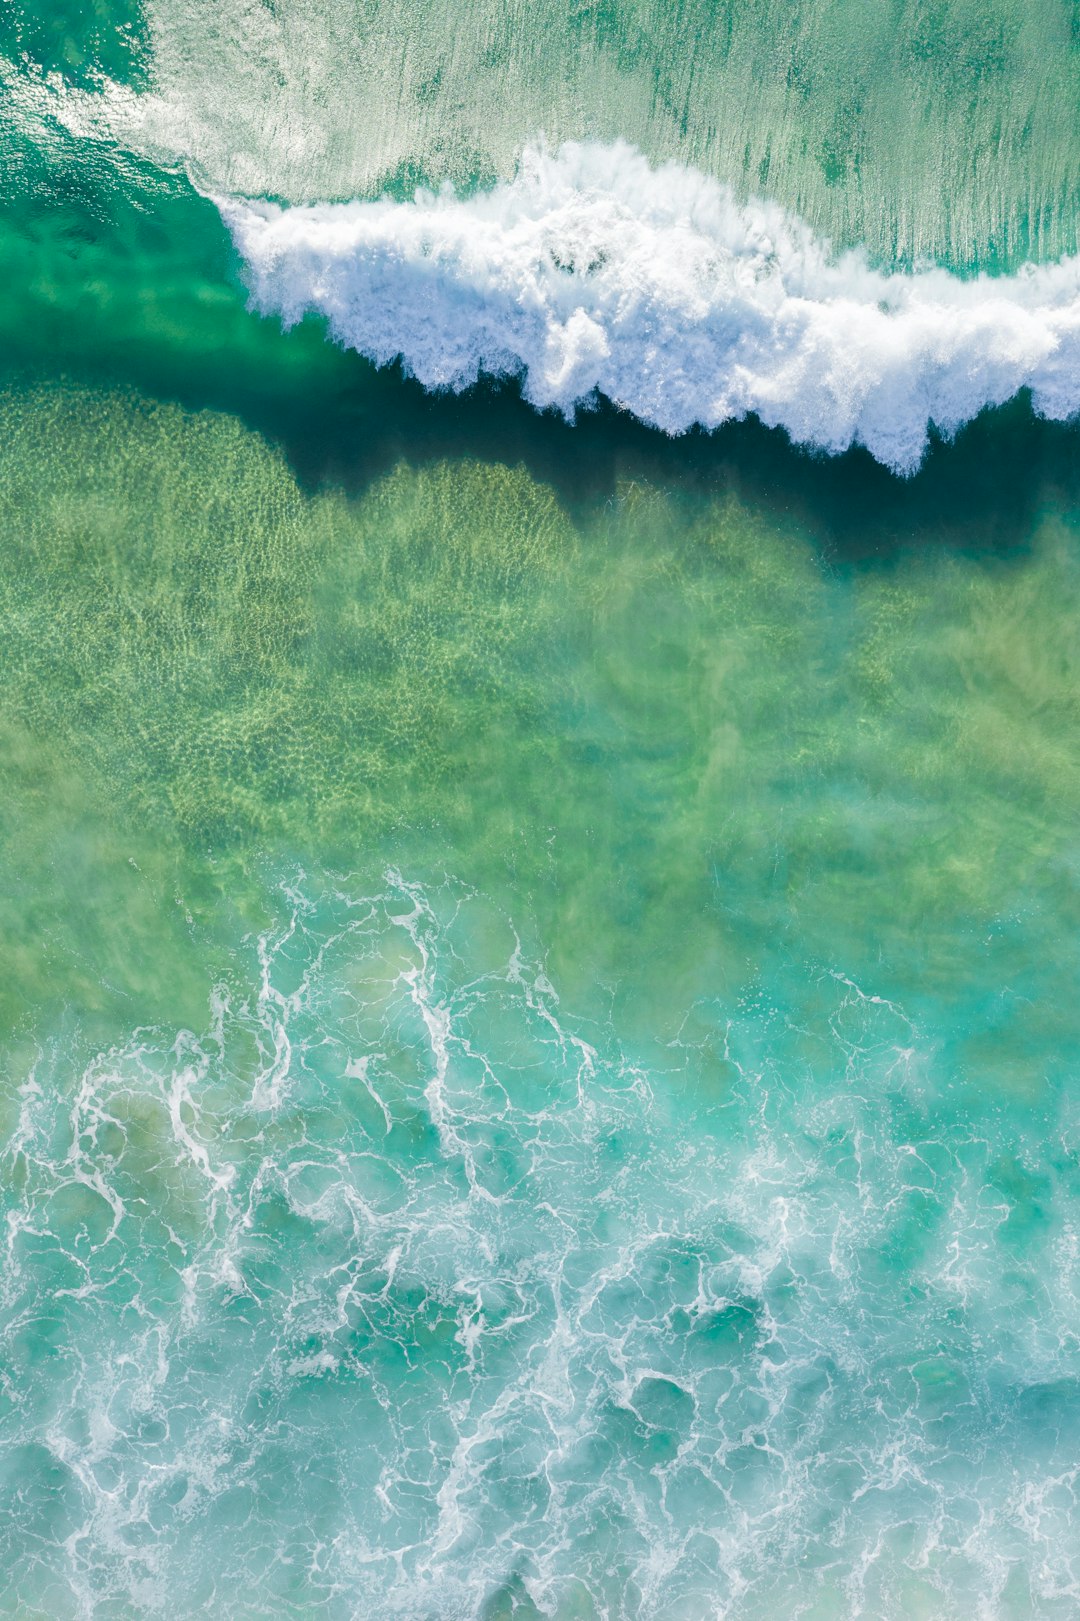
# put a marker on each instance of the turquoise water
(538, 1032)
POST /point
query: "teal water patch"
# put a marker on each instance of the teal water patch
(86, 44)
(400, 1290)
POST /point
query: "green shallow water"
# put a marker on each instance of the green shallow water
(538, 1018)
(645, 714)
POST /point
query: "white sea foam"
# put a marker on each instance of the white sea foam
(470, 1315)
(592, 273)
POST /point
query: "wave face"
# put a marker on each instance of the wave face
(400, 1292)
(592, 273)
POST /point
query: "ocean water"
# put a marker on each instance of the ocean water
(540, 811)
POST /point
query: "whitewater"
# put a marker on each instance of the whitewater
(446, 1308)
(592, 273)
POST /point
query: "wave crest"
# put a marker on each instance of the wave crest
(592, 273)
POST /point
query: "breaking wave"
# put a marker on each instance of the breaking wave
(592, 273)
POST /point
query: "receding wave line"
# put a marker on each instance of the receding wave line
(592, 273)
